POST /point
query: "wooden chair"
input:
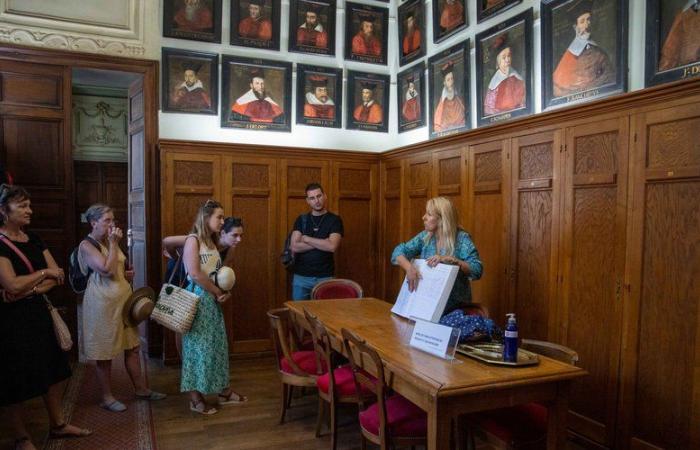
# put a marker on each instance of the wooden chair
(521, 426)
(392, 420)
(296, 367)
(336, 385)
(336, 288)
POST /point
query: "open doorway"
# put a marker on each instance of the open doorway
(107, 150)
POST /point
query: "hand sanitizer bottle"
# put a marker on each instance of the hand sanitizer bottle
(510, 341)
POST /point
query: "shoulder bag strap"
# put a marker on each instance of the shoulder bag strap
(19, 253)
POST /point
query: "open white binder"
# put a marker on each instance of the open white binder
(428, 301)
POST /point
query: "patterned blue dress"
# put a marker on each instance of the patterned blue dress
(464, 250)
(204, 347)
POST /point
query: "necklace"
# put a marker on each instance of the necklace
(317, 225)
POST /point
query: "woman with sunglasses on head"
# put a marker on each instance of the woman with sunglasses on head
(33, 363)
(105, 335)
(205, 368)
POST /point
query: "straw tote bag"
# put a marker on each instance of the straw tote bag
(60, 328)
(176, 306)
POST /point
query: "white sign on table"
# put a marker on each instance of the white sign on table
(433, 338)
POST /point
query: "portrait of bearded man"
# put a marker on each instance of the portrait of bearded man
(194, 15)
(368, 111)
(190, 95)
(365, 42)
(256, 25)
(318, 103)
(312, 33)
(412, 38)
(256, 105)
(450, 112)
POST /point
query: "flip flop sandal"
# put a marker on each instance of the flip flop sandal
(230, 400)
(201, 408)
(115, 406)
(59, 432)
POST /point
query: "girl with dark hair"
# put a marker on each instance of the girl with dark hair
(205, 347)
(33, 362)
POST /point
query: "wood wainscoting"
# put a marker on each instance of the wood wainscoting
(265, 187)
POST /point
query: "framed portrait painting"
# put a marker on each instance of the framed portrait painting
(584, 50)
(319, 96)
(449, 17)
(368, 102)
(256, 94)
(366, 33)
(256, 23)
(448, 80)
(190, 81)
(410, 85)
(312, 27)
(504, 70)
(197, 20)
(673, 42)
(485, 9)
(411, 18)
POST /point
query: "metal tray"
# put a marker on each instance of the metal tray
(492, 353)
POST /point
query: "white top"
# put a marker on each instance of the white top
(209, 259)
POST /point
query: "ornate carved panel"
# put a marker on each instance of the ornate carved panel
(596, 153)
(186, 206)
(449, 170)
(99, 128)
(353, 180)
(536, 161)
(298, 177)
(487, 166)
(674, 144)
(250, 176)
(193, 173)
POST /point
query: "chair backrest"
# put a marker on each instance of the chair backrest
(361, 355)
(284, 339)
(336, 288)
(551, 350)
(322, 346)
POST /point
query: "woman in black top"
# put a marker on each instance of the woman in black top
(33, 362)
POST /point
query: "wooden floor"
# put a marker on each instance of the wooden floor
(251, 426)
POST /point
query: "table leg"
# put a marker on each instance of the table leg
(556, 423)
(439, 427)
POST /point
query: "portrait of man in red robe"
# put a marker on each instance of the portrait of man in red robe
(451, 15)
(317, 102)
(450, 112)
(311, 33)
(194, 15)
(412, 38)
(256, 105)
(255, 25)
(506, 89)
(410, 110)
(682, 44)
(368, 111)
(365, 43)
(584, 65)
(190, 95)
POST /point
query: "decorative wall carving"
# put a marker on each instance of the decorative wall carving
(99, 128)
(113, 27)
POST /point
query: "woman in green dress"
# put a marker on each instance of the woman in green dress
(204, 347)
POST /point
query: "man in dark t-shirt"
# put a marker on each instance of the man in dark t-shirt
(315, 237)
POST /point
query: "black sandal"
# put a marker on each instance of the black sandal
(58, 432)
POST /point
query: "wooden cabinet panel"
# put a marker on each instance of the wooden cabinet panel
(534, 225)
(29, 140)
(592, 269)
(661, 396)
(391, 226)
(354, 194)
(250, 192)
(31, 85)
(418, 187)
(489, 175)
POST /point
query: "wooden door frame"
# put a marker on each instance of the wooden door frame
(149, 70)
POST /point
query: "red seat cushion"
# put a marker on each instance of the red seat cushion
(518, 424)
(344, 383)
(332, 290)
(306, 360)
(404, 418)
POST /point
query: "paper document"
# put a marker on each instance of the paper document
(428, 301)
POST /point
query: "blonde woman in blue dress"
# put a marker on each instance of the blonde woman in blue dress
(205, 347)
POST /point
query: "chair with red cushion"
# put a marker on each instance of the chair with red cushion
(336, 288)
(296, 367)
(335, 386)
(521, 426)
(392, 420)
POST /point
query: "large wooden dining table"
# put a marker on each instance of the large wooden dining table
(445, 389)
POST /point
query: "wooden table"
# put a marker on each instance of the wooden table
(445, 389)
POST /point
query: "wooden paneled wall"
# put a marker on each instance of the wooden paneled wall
(588, 224)
(266, 188)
